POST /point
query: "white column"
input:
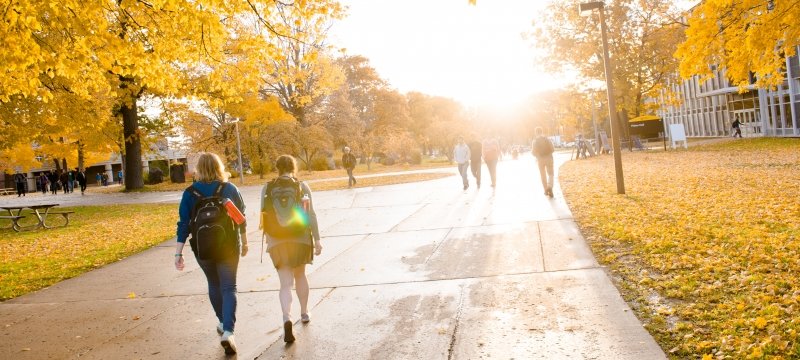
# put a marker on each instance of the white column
(792, 91)
(145, 167)
(110, 174)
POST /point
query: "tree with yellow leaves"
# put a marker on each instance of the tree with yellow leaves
(127, 49)
(742, 37)
(643, 35)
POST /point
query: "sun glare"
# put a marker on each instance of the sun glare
(474, 54)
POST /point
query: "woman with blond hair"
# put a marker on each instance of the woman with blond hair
(291, 247)
(216, 240)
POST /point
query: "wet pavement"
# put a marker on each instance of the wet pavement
(409, 271)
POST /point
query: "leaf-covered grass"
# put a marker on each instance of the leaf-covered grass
(255, 179)
(704, 245)
(96, 236)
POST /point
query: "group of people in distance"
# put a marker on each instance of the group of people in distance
(468, 156)
(292, 242)
(52, 181)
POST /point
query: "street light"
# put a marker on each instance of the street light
(586, 10)
(239, 150)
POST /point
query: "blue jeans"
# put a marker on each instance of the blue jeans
(221, 276)
(462, 169)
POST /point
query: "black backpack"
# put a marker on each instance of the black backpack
(213, 231)
(282, 213)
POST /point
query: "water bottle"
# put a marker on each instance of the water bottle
(233, 211)
(306, 203)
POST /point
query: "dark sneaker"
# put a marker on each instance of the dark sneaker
(228, 343)
(287, 332)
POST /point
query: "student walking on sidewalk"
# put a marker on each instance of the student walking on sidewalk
(349, 163)
(461, 156)
(491, 153)
(290, 228)
(217, 251)
(542, 149)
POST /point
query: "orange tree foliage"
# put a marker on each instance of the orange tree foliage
(742, 37)
(127, 49)
(704, 244)
(642, 36)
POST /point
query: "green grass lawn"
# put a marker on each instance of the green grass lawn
(705, 245)
(96, 236)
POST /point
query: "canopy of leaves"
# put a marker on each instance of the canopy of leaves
(642, 36)
(741, 37)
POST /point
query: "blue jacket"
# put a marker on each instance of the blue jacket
(188, 200)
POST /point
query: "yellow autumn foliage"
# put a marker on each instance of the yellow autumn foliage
(704, 244)
(742, 37)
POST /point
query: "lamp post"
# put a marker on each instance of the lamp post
(239, 150)
(585, 10)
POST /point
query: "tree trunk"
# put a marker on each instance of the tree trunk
(133, 147)
(58, 164)
(64, 164)
(80, 155)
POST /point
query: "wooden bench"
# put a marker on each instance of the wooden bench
(14, 221)
(8, 191)
(65, 214)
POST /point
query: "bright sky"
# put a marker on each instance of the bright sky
(474, 54)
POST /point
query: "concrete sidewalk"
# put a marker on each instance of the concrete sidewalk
(410, 271)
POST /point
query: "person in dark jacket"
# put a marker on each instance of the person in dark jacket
(20, 180)
(737, 130)
(542, 149)
(220, 271)
(80, 176)
(53, 177)
(64, 181)
(349, 164)
(475, 150)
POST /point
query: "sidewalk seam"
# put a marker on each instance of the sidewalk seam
(453, 337)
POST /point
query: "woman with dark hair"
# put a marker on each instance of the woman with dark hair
(221, 266)
(290, 253)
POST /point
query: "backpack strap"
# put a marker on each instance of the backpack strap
(218, 190)
(196, 193)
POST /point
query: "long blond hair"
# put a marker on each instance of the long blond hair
(210, 168)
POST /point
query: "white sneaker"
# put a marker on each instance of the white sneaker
(228, 343)
(219, 329)
(305, 318)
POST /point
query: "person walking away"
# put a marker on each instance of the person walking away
(53, 177)
(542, 149)
(349, 164)
(64, 178)
(98, 177)
(81, 178)
(217, 252)
(491, 154)
(290, 227)
(71, 181)
(43, 182)
(475, 151)
(19, 180)
(461, 156)
(119, 177)
(737, 131)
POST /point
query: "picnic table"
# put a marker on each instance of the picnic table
(40, 211)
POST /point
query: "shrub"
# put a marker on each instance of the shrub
(319, 164)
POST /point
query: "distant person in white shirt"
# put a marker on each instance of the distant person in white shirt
(461, 155)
